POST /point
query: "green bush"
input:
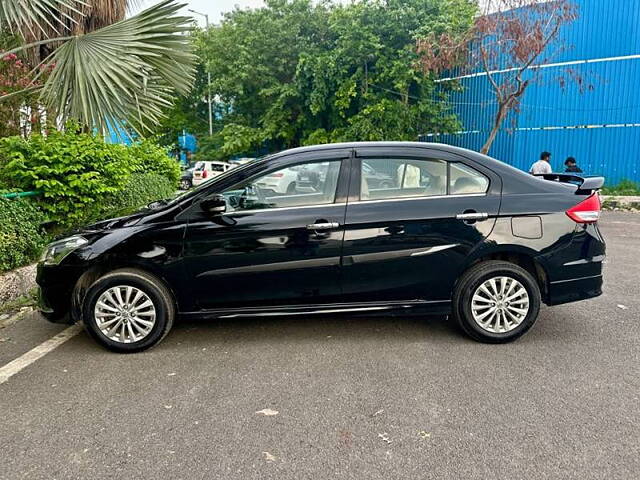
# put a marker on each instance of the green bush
(73, 170)
(22, 237)
(149, 157)
(140, 190)
(624, 188)
(77, 172)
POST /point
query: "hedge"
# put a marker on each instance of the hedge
(22, 237)
(77, 171)
(139, 191)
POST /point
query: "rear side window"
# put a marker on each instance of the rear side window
(389, 178)
(216, 167)
(384, 178)
(465, 180)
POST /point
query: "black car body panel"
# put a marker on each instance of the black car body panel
(378, 255)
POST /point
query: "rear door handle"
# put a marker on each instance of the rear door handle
(472, 216)
(323, 226)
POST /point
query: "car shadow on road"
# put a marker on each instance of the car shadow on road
(309, 328)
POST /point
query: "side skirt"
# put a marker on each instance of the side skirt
(438, 307)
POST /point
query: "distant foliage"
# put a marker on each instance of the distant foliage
(298, 72)
(624, 188)
(22, 237)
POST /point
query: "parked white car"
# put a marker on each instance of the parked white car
(204, 171)
(282, 181)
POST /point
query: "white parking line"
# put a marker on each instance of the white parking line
(22, 362)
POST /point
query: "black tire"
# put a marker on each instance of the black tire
(471, 281)
(185, 184)
(157, 292)
(291, 189)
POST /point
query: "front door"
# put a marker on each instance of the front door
(413, 216)
(279, 242)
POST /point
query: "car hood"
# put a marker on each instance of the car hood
(120, 222)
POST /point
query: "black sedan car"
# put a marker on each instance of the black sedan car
(456, 233)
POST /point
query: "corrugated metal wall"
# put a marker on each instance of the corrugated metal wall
(599, 126)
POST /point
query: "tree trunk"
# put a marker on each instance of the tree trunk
(500, 116)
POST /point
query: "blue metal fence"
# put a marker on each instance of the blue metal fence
(598, 126)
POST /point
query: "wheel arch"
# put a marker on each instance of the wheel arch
(90, 276)
(518, 255)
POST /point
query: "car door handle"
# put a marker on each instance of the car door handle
(472, 216)
(323, 226)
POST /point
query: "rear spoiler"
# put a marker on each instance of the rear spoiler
(585, 185)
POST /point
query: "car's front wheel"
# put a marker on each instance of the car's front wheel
(496, 302)
(128, 311)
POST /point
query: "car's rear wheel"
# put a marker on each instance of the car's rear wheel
(128, 311)
(496, 302)
(292, 188)
(185, 184)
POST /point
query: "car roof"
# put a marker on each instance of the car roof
(518, 179)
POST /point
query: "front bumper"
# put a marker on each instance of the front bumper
(55, 289)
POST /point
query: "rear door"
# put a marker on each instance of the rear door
(409, 240)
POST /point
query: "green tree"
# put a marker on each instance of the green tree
(299, 72)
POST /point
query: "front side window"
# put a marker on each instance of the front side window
(294, 186)
(384, 178)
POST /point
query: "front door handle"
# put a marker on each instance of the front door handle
(472, 216)
(323, 226)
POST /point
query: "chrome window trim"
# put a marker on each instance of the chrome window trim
(432, 197)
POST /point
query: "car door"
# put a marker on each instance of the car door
(272, 248)
(410, 241)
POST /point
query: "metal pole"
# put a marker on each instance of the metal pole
(209, 99)
(209, 89)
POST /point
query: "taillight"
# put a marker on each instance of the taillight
(204, 174)
(587, 211)
(277, 175)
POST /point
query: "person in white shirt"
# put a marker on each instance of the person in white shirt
(542, 166)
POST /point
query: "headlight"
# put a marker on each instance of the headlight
(57, 251)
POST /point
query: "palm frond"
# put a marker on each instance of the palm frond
(125, 72)
(29, 16)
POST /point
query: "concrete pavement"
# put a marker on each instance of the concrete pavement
(357, 398)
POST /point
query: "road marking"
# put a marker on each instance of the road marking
(22, 362)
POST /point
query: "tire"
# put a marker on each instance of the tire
(145, 336)
(291, 189)
(185, 184)
(505, 328)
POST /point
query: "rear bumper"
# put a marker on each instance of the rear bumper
(576, 289)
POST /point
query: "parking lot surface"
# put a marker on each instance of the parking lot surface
(341, 397)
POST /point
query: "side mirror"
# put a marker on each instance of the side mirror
(214, 205)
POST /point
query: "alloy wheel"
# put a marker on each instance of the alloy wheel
(125, 314)
(500, 304)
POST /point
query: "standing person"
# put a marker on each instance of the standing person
(572, 166)
(542, 166)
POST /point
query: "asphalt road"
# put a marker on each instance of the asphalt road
(361, 398)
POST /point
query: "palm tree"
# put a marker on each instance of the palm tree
(127, 71)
